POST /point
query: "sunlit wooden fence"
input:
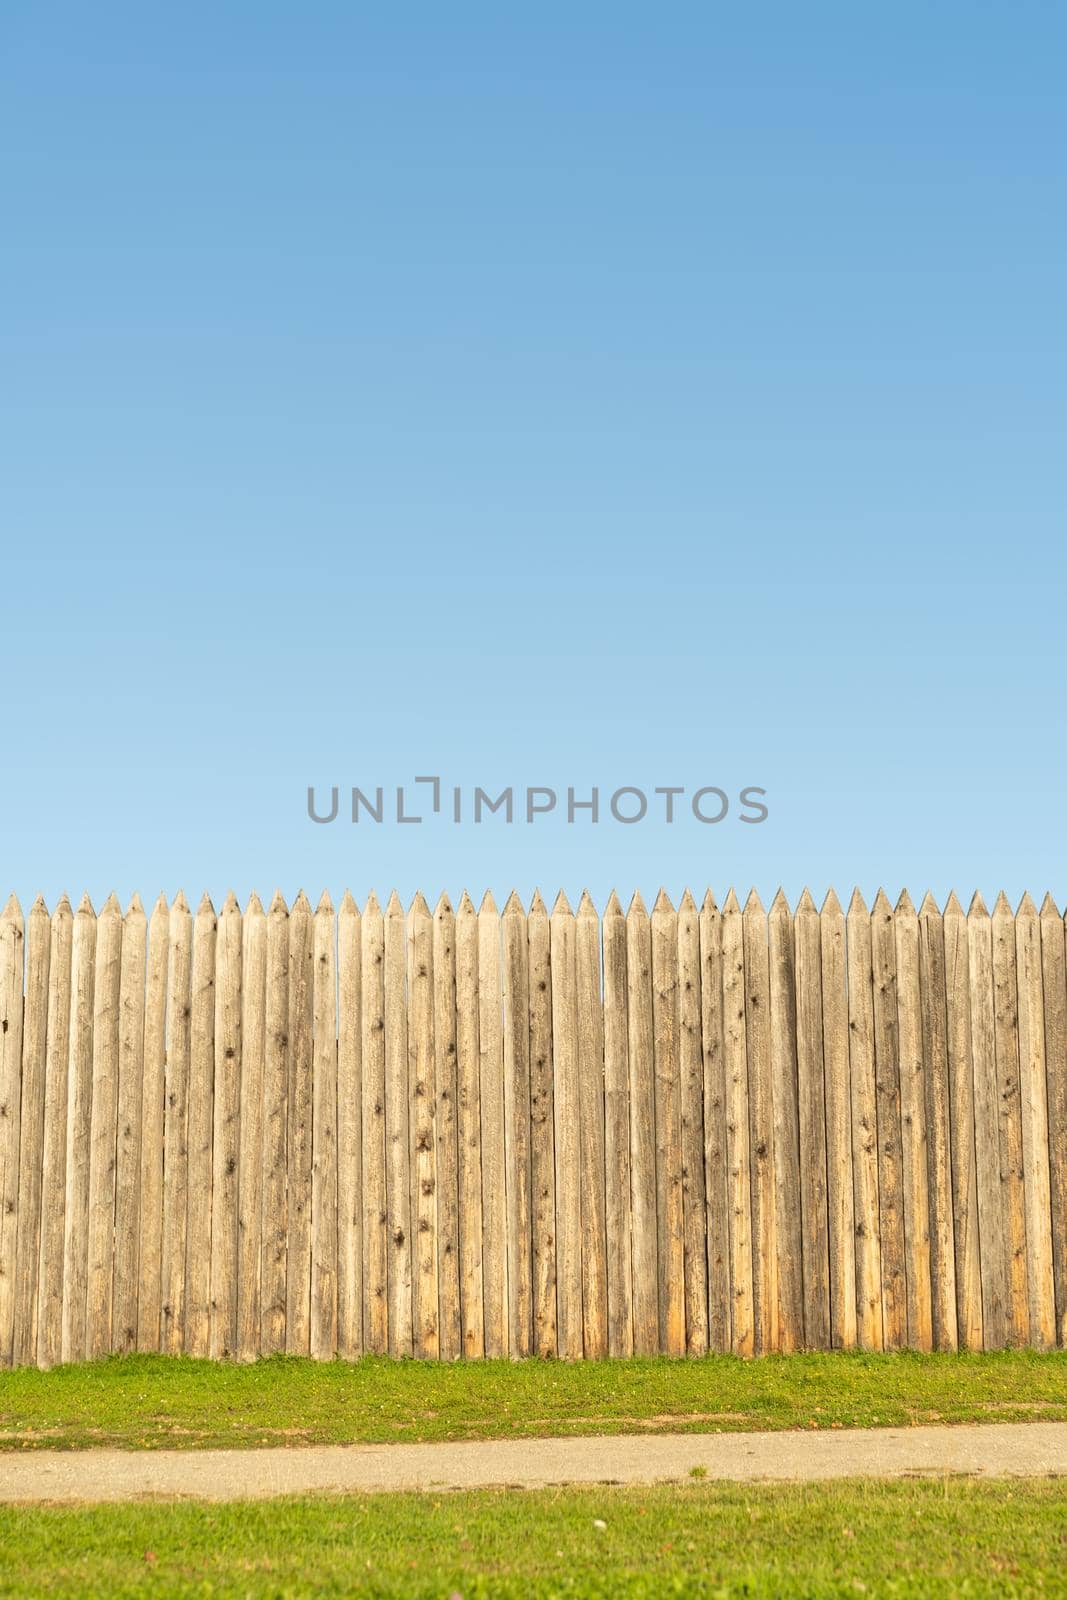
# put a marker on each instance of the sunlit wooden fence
(474, 1133)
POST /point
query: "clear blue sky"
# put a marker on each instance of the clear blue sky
(544, 395)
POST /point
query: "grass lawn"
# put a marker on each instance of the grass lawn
(153, 1401)
(921, 1538)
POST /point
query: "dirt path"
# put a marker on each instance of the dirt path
(1005, 1449)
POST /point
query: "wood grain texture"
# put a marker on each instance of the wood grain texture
(447, 1129)
(375, 1205)
(840, 1193)
(1054, 972)
(517, 1169)
(469, 1125)
(717, 1182)
(812, 1148)
(491, 1098)
(567, 1111)
(691, 1088)
(201, 1133)
(1041, 1297)
(738, 1149)
(226, 1130)
(31, 1133)
(175, 1121)
(422, 1073)
(934, 1003)
(251, 1165)
(131, 1093)
(591, 1129)
(617, 1133)
(275, 1131)
(890, 1147)
(915, 1186)
(102, 1139)
(991, 1177)
(642, 1128)
(299, 1129)
(324, 1137)
(1006, 1026)
(12, 959)
(542, 1130)
(54, 1142)
(962, 1128)
(863, 1106)
(153, 1124)
(761, 1126)
(397, 1132)
(797, 1228)
(349, 1131)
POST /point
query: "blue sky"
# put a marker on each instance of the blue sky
(558, 395)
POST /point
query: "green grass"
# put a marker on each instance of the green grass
(152, 1401)
(921, 1538)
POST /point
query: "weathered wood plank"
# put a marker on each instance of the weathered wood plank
(840, 1194)
(54, 1145)
(542, 1130)
(273, 1265)
(761, 1126)
(934, 1014)
(891, 1231)
(991, 1179)
(201, 1133)
(175, 1120)
(1054, 972)
(1006, 1027)
(916, 1188)
(691, 1086)
(31, 1133)
(797, 1228)
(863, 1106)
(812, 1108)
(716, 1162)
(226, 1130)
(670, 1225)
(324, 1136)
(12, 958)
(591, 1129)
(962, 1132)
(300, 1128)
(468, 1101)
(131, 1086)
(517, 1127)
(349, 1131)
(251, 1164)
(617, 1133)
(567, 1105)
(642, 1128)
(1033, 1092)
(447, 1129)
(422, 1073)
(738, 1148)
(397, 1130)
(153, 1119)
(375, 1203)
(491, 1096)
(101, 1229)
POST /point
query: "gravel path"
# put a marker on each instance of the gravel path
(1003, 1449)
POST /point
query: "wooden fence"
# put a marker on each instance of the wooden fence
(474, 1133)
